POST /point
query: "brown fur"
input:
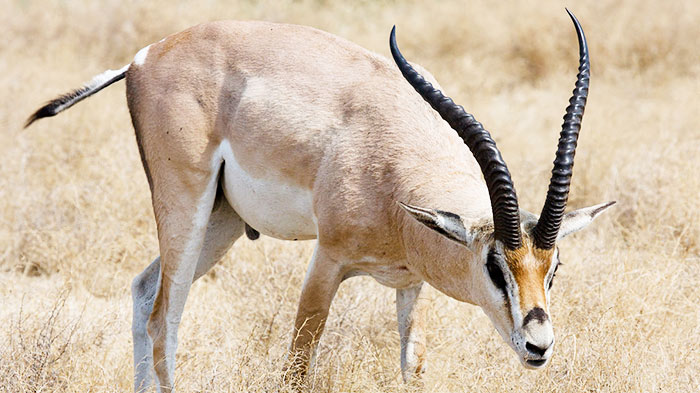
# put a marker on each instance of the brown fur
(529, 266)
(182, 113)
(304, 109)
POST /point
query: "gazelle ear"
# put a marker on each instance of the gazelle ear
(578, 219)
(447, 224)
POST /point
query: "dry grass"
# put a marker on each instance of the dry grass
(77, 223)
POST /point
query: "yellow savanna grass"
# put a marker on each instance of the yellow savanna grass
(76, 221)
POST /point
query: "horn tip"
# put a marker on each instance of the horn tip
(394, 47)
(573, 19)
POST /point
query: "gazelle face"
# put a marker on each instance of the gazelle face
(518, 284)
(511, 286)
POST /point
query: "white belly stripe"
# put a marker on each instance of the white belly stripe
(272, 206)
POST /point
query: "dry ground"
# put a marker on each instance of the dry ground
(76, 223)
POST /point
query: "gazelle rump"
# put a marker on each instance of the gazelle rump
(297, 134)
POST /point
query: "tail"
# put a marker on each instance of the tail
(58, 105)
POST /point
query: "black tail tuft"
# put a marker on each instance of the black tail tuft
(53, 107)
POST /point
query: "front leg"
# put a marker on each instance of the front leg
(410, 311)
(320, 285)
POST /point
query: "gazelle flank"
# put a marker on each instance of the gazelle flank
(288, 131)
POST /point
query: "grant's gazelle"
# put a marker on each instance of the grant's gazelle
(297, 134)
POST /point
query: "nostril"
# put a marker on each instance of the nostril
(535, 349)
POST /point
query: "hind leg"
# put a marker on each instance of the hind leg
(184, 205)
(224, 228)
(143, 293)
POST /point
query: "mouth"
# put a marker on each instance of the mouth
(536, 363)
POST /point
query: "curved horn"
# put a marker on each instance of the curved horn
(547, 228)
(504, 202)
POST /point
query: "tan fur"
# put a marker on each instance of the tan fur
(313, 131)
(318, 130)
(529, 266)
(296, 112)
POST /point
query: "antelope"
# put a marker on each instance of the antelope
(288, 131)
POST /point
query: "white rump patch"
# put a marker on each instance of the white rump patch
(141, 55)
(273, 206)
(105, 77)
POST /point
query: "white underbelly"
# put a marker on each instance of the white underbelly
(271, 206)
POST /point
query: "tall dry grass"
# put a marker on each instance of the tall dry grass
(77, 223)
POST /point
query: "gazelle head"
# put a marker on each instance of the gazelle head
(518, 253)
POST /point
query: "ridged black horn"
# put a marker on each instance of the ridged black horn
(547, 228)
(504, 202)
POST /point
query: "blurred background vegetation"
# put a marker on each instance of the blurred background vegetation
(76, 221)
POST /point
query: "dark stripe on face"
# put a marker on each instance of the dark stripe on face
(495, 272)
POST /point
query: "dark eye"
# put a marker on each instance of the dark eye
(495, 272)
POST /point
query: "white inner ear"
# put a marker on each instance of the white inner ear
(448, 226)
(454, 226)
(578, 219)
